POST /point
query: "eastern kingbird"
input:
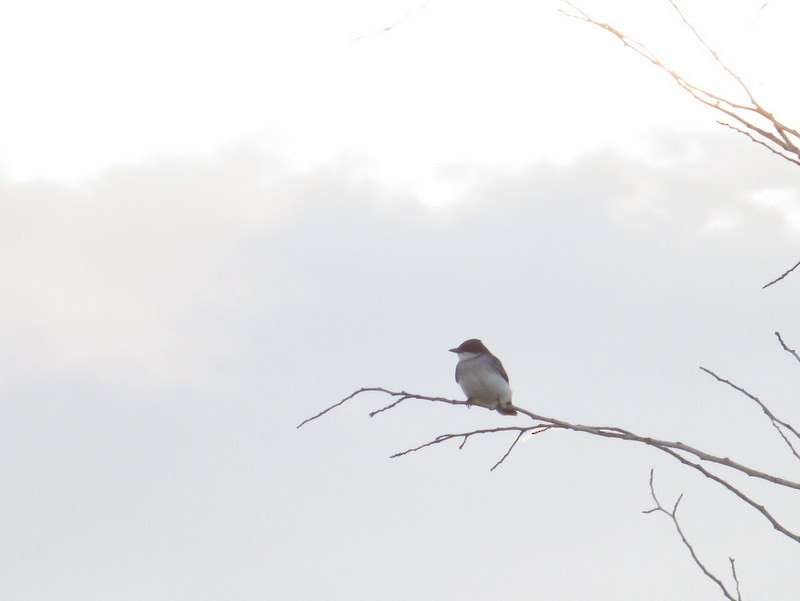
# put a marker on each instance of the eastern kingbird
(482, 377)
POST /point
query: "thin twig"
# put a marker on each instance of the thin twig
(516, 440)
(714, 54)
(781, 135)
(776, 422)
(402, 394)
(673, 449)
(606, 432)
(465, 435)
(786, 348)
(772, 150)
(663, 445)
(783, 275)
(735, 578)
(672, 514)
(758, 507)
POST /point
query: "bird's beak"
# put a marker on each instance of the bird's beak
(453, 350)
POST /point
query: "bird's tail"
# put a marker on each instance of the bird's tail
(506, 410)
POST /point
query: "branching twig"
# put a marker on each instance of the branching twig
(755, 122)
(604, 431)
(465, 435)
(533, 432)
(662, 445)
(404, 396)
(758, 507)
(773, 151)
(776, 422)
(781, 135)
(673, 449)
(672, 514)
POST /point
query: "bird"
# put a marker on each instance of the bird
(482, 377)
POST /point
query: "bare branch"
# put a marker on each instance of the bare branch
(662, 445)
(533, 432)
(714, 53)
(776, 422)
(466, 435)
(324, 411)
(674, 449)
(781, 135)
(780, 277)
(674, 517)
(508, 452)
(760, 508)
(604, 431)
(786, 348)
(756, 122)
(772, 150)
(735, 578)
(402, 394)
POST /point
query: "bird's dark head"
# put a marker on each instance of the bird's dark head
(473, 345)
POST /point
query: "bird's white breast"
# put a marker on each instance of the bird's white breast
(481, 382)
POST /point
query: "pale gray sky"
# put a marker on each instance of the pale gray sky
(200, 275)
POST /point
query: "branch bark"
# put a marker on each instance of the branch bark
(673, 515)
(747, 116)
(786, 348)
(675, 449)
(770, 132)
(776, 422)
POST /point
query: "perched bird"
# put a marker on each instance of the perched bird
(482, 377)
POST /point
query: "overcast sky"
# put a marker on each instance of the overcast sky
(219, 219)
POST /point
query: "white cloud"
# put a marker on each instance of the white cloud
(167, 324)
(785, 201)
(125, 268)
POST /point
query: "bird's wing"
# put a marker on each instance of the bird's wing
(499, 367)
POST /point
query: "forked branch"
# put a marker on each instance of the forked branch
(532, 430)
(777, 423)
(746, 115)
(672, 514)
(754, 121)
(689, 456)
